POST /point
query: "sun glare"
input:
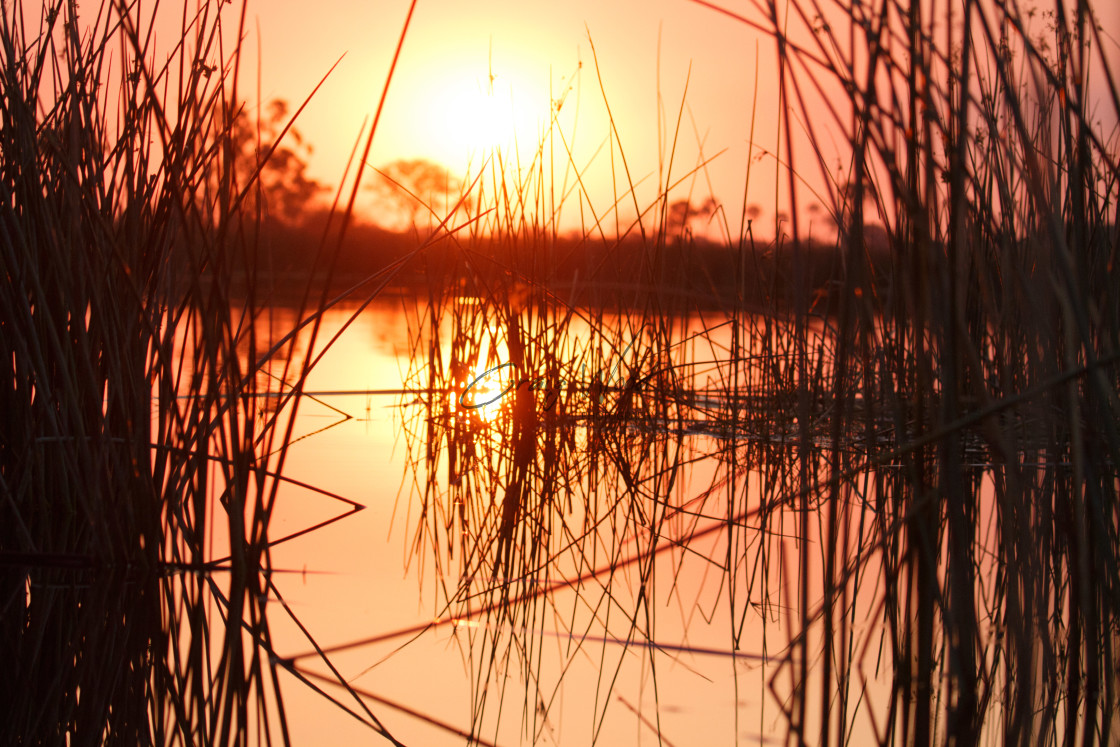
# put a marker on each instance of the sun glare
(462, 117)
(487, 120)
(482, 393)
(491, 378)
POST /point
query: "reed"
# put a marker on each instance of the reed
(930, 445)
(909, 469)
(138, 468)
(994, 359)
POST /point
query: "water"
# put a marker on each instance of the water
(603, 638)
(658, 527)
(668, 528)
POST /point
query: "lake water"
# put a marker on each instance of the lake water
(606, 605)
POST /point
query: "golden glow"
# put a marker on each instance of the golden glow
(483, 391)
(463, 116)
(487, 117)
(489, 383)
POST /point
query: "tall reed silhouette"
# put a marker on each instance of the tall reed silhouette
(139, 467)
(918, 458)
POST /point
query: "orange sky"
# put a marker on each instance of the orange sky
(438, 106)
(452, 47)
(443, 106)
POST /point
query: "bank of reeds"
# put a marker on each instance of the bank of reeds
(918, 469)
(138, 469)
(976, 139)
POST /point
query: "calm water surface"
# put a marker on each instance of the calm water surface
(621, 666)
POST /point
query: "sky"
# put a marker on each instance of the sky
(472, 76)
(442, 105)
(683, 84)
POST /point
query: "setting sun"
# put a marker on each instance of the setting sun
(464, 115)
(487, 118)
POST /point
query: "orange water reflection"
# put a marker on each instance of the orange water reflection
(449, 585)
(659, 529)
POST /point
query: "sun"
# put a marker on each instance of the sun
(464, 116)
(488, 116)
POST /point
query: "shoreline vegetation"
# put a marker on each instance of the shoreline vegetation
(912, 430)
(139, 463)
(585, 272)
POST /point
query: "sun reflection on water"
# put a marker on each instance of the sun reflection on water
(480, 394)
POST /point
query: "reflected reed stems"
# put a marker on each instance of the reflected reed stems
(915, 463)
(894, 490)
(141, 449)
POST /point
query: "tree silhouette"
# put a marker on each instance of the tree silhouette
(284, 186)
(411, 186)
(682, 213)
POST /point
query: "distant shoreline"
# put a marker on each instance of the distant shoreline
(670, 274)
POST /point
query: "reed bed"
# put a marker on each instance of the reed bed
(904, 481)
(917, 477)
(148, 402)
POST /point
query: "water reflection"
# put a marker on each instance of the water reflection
(648, 490)
(699, 526)
(629, 468)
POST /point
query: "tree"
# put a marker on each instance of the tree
(682, 213)
(409, 187)
(285, 187)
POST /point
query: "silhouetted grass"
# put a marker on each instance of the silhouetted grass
(906, 459)
(917, 470)
(139, 467)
